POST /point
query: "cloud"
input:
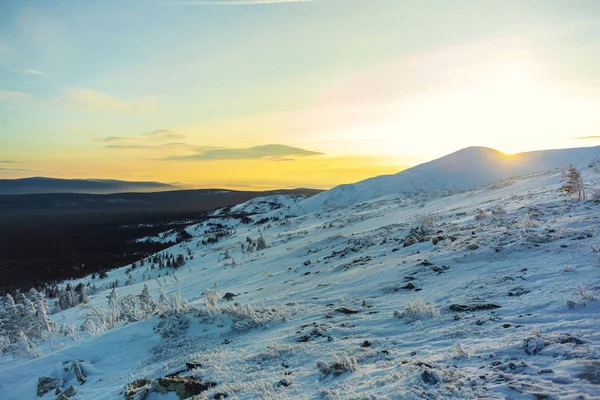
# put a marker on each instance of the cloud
(10, 162)
(143, 141)
(134, 146)
(269, 151)
(34, 72)
(239, 2)
(110, 139)
(17, 169)
(7, 95)
(129, 146)
(162, 135)
(586, 137)
(95, 100)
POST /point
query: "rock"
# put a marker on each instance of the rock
(229, 296)
(46, 384)
(440, 270)
(346, 310)
(192, 365)
(474, 307)
(67, 394)
(75, 367)
(183, 386)
(429, 378)
(285, 382)
(410, 286)
(473, 246)
(138, 390)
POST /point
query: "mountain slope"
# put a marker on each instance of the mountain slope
(465, 169)
(416, 300)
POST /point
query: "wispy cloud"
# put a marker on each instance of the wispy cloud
(141, 146)
(144, 140)
(587, 138)
(111, 139)
(238, 2)
(10, 162)
(162, 135)
(268, 151)
(34, 72)
(16, 169)
(96, 100)
(7, 95)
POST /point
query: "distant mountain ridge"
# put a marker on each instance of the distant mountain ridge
(39, 185)
(464, 169)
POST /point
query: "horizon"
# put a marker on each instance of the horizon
(261, 95)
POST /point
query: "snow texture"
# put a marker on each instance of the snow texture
(467, 277)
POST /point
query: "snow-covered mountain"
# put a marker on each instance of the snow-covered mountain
(261, 205)
(490, 293)
(465, 169)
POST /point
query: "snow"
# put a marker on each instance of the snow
(465, 169)
(533, 253)
(260, 205)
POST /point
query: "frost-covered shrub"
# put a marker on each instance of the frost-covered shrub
(528, 222)
(69, 330)
(4, 344)
(459, 352)
(338, 366)
(425, 220)
(249, 317)
(211, 298)
(585, 295)
(416, 310)
(23, 346)
(479, 214)
(498, 211)
(171, 324)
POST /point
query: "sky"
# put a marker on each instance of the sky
(264, 94)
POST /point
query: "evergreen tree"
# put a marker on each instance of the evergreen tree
(574, 184)
(83, 297)
(28, 320)
(44, 323)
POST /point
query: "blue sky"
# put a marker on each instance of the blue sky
(362, 86)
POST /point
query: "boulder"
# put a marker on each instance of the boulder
(183, 386)
(46, 384)
(67, 394)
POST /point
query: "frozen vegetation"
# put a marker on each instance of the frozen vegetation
(487, 289)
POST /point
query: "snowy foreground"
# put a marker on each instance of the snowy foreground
(402, 297)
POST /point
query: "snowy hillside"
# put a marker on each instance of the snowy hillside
(261, 205)
(465, 169)
(487, 293)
